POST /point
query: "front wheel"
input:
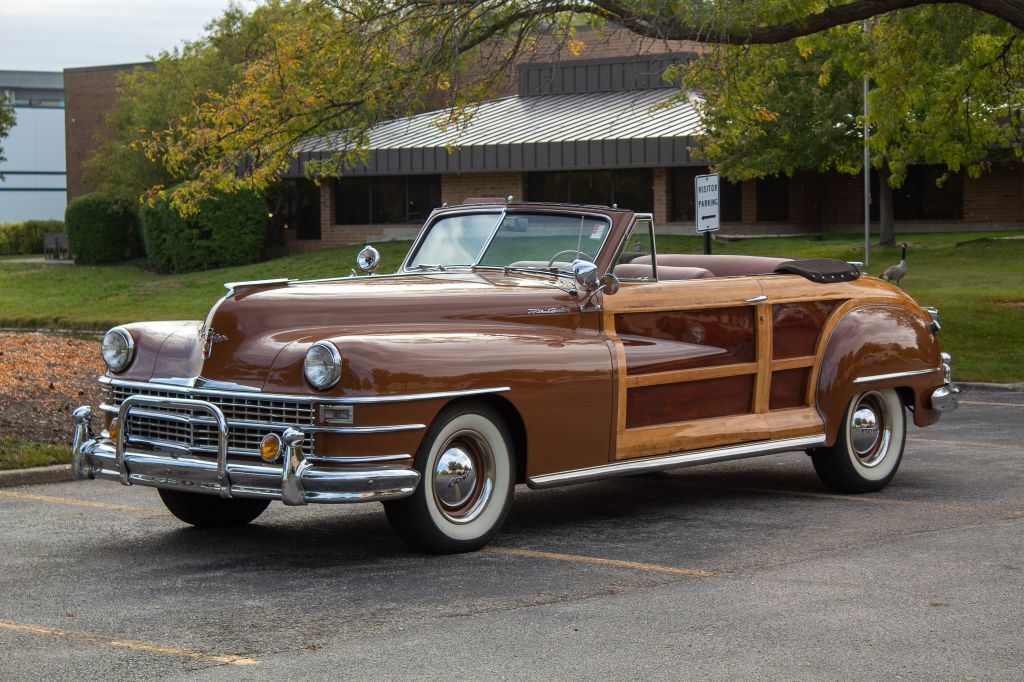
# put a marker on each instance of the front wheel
(210, 511)
(869, 447)
(465, 490)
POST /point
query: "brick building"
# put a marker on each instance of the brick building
(585, 129)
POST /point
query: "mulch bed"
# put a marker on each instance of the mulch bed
(42, 379)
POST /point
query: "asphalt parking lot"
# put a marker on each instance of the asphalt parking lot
(742, 570)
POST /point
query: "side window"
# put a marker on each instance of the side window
(636, 260)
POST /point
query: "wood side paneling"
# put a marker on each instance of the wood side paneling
(789, 388)
(671, 340)
(708, 398)
(797, 326)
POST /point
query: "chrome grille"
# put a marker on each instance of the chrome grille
(194, 429)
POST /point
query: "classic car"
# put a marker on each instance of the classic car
(517, 343)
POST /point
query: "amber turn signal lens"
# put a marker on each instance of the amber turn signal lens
(270, 447)
(114, 427)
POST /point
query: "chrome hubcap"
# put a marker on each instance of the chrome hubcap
(463, 476)
(869, 429)
(454, 477)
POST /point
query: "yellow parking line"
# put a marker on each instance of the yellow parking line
(1012, 513)
(125, 643)
(657, 568)
(82, 503)
(986, 402)
(968, 443)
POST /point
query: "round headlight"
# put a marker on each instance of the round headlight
(118, 348)
(323, 365)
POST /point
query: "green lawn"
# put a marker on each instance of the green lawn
(978, 287)
(17, 454)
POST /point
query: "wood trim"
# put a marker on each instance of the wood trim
(695, 374)
(799, 421)
(708, 433)
(620, 378)
(763, 385)
(692, 435)
(793, 363)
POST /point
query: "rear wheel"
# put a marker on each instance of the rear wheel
(869, 447)
(210, 511)
(465, 490)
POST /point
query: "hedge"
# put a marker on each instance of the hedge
(228, 229)
(101, 229)
(26, 237)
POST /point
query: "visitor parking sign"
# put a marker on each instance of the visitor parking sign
(706, 202)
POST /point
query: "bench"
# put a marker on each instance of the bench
(55, 245)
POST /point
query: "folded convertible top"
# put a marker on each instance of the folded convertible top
(820, 269)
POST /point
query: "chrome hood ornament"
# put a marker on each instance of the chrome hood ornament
(208, 337)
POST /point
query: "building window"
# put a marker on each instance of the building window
(920, 198)
(385, 199)
(632, 189)
(773, 198)
(681, 196)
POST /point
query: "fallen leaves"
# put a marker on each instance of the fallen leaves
(42, 379)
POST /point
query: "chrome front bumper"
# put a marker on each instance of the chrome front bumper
(294, 481)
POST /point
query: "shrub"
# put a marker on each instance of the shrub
(101, 229)
(228, 229)
(26, 237)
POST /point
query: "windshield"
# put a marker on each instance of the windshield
(523, 240)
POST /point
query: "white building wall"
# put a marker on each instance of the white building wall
(34, 181)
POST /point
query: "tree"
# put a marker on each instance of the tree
(153, 97)
(955, 102)
(7, 120)
(343, 65)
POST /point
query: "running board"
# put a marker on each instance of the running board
(675, 461)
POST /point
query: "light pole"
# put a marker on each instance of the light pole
(867, 173)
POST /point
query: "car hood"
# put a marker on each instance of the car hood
(257, 328)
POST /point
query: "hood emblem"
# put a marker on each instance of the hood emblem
(208, 337)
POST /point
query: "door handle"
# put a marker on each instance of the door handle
(757, 299)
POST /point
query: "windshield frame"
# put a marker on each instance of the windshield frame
(501, 213)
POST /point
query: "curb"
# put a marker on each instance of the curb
(35, 476)
(985, 386)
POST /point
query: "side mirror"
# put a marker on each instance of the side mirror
(368, 259)
(586, 275)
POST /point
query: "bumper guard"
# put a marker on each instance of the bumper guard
(296, 482)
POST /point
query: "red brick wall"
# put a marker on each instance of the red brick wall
(995, 197)
(750, 201)
(842, 198)
(89, 94)
(661, 192)
(804, 200)
(458, 187)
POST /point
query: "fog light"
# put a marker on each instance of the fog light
(270, 447)
(114, 427)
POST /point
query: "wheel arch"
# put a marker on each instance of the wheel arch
(869, 343)
(513, 422)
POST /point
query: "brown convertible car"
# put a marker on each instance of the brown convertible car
(517, 343)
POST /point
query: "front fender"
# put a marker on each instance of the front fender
(874, 341)
(558, 380)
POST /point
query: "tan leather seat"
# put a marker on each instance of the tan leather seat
(636, 270)
(720, 266)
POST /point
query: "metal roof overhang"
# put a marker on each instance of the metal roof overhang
(546, 132)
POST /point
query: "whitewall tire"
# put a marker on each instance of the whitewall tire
(467, 473)
(869, 446)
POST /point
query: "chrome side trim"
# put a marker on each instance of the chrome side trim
(674, 461)
(895, 375)
(354, 400)
(363, 459)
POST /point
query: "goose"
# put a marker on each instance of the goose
(898, 271)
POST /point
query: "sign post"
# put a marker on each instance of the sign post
(706, 206)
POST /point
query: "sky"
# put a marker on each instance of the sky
(50, 35)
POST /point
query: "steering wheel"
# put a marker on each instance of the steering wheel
(577, 252)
